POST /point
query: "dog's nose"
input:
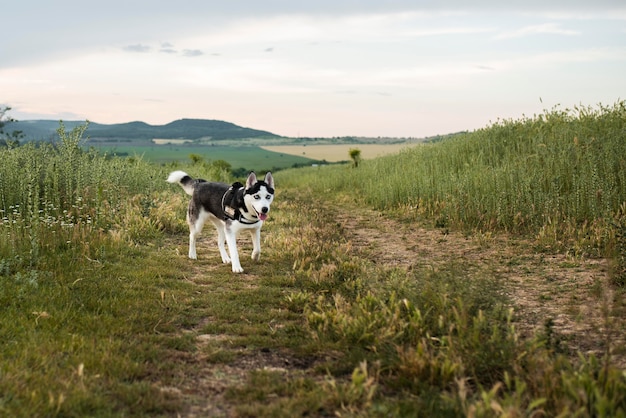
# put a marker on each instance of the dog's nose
(265, 209)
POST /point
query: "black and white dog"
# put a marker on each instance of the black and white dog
(232, 209)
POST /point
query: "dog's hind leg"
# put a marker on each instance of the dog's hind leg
(194, 230)
(221, 240)
(195, 222)
(192, 242)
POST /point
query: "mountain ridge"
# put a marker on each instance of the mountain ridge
(185, 128)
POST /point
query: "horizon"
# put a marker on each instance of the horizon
(216, 120)
(328, 69)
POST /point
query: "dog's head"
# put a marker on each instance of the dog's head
(259, 194)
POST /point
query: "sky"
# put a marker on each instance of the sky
(311, 69)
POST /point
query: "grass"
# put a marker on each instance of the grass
(84, 344)
(559, 176)
(246, 157)
(105, 316)
(339, 152)
(77, 323)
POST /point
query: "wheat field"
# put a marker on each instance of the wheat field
(339, 152)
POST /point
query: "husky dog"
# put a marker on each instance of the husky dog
(231, 209)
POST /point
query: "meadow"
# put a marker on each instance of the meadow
(244, 157)
(560, 176)
(103, 314)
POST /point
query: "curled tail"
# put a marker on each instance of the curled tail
(184, 179)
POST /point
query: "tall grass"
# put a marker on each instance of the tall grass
(91, 317)
(55, 195)
(67, 217)
(560, 174)
(424, 342)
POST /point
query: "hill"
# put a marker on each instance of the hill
(45, 130)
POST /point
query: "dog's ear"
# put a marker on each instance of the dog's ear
(251, 180)
(269, 180)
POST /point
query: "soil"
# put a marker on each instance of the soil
(570, 298)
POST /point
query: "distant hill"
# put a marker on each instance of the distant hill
(45, 130)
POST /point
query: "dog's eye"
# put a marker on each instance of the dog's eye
(268, 197)
(257, 197)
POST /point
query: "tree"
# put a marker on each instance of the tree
(196, 158)
(8, 140)
(222, 165)
(355, 155)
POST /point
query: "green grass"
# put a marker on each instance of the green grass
(85, 342)
(103, 314)
(248, 157)
(559, 176)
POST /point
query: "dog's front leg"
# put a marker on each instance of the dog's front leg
(231, 241)
(256, 243)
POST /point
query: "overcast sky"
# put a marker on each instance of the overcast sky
(318, 68)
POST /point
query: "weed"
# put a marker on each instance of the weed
(559, 176)
(619, 251)
(101, 319)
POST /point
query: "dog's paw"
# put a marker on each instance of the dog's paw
(256, 256)
(226, 260)
(237, 269)
(193, 256)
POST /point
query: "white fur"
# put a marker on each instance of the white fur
(227, 232)
(176, 177)
(257, 204)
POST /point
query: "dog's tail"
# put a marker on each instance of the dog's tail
(184, 179)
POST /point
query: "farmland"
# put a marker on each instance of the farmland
(249, 157)
(484, 275)
(338, 152)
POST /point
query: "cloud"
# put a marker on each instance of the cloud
(167, 48)
(447, 31)
(192, 53)
(137, 48)
(543, 29)
(395, 54)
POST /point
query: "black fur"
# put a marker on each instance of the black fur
(209, 196)
(230, 209)
(257, 186)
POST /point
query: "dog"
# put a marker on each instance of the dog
(232, 209)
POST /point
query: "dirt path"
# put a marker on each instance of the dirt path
(570, 296)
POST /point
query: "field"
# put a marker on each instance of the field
(481, 276)
(339, 152)
(171, 141)
(247, 157)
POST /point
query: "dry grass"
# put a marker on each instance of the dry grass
(170, 141)
(350, 312)
(572, 296)
(340, 152)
